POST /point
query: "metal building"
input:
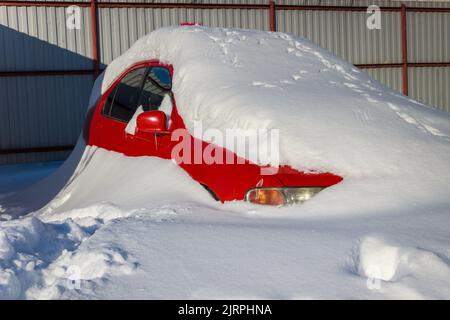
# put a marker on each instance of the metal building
(47, 69)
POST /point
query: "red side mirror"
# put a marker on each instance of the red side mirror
(153, 122)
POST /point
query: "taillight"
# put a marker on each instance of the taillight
(272, 197)
(281, 196)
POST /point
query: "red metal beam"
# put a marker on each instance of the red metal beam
(404, 51)
(42, 4)
(180, 5)
(428, 64)
(401, 65)
(378, 65)
(272, 16)
(36, 149)
(417, 9)
(43, 73)
(332, 8)
(94, 27)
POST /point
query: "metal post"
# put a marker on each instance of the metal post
(94, 27)
(404, 51)
(272, 16)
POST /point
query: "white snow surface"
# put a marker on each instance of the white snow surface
(109, 226)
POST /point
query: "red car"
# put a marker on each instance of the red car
(142, 96)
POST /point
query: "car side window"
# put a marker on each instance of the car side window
(122, 102)
(156, 88)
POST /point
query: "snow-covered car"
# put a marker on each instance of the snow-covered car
(137, 115)
(334, 122)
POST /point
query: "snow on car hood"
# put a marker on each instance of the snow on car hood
(331, 115)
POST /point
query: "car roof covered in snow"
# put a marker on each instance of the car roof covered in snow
(331, 115)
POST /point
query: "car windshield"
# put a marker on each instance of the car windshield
(161, 77)
(157, 85)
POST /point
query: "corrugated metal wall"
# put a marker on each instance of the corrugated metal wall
(346, 35)
(121, 27)
(431, 86)
(48, 111)
(36, 38)
(391, 77)
(42, 111)
(429, 40)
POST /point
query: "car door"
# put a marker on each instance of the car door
(156, 95)
(118, 109)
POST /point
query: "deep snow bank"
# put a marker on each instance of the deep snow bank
(42, 260)
(197, 252)
(36, 196)
(109, 185)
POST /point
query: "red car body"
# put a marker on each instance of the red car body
(224, 181)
